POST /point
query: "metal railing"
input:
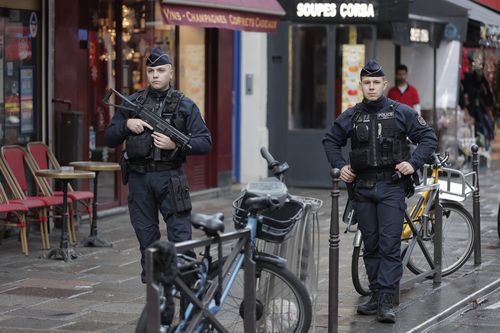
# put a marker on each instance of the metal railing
(202, 314)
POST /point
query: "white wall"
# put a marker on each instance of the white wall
(419, 60)
(448, 62)
(254, 133)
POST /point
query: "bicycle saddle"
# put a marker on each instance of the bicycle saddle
(211, 224)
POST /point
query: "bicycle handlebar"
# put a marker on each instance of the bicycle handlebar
(271, 161)
(260, 203)
(275, 166)
(440, 160)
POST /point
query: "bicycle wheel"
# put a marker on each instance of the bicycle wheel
(458, 240)
(358, 271)
(282, 302)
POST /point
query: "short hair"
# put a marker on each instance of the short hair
(401, 67)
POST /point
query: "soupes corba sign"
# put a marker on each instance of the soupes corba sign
(342, 11)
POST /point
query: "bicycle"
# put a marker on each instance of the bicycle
(457, 226)
(210, 291)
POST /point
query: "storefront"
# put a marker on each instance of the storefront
(314, 64)
(22, 102)
(480, 76)
(314, 67)
(114, 38)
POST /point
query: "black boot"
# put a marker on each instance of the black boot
(370, 307)
(386, 312)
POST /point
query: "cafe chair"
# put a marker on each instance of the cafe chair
(15, 158)
(44, 159)
(13, 216)
(36, 208)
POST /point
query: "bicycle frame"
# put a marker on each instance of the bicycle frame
(201, 311)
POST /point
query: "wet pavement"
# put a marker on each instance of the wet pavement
(100, 291)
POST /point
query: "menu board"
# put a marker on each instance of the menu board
(353, 59)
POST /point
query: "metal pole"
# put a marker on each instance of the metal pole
(333, 287)
(434, 110)
(438, 239)
(152, 294)
(475, 206)
(249, 286)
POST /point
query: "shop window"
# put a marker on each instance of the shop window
(192, 64)
(308, 78)
(20, 32)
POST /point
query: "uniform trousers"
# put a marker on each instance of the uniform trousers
(148, 195)
(380, 210)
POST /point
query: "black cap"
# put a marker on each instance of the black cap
(372, 68)
(158, 58)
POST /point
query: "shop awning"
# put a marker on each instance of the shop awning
(247, 15)
(493, 4)
(479, 13)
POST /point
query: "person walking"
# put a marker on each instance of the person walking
(379, 168)
(403, 92)
(152, 162)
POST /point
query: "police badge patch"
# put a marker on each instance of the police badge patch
(421, 121)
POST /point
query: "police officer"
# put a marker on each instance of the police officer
(379, 163)
(152, 162)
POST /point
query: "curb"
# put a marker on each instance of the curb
(450, 311)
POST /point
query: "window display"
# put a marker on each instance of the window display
(19, 86)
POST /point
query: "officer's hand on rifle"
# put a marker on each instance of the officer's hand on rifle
(137, 125)
(346, 174)
(162, 141)
(405, 168)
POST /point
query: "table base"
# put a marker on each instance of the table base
(62, 254)
(95, 241)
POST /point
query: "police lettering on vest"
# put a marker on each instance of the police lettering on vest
(377, 142)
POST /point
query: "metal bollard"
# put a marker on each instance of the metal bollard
(333, 286)
(476, 207)
(152, 293)
(438, 240)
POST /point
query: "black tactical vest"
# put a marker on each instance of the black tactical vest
(377, 143)
(140, 146)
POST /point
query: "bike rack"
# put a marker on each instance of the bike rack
(434, 263)
(301, 251)
(203, 314)
(467, 185)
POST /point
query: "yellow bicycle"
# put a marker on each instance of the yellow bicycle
(457, 224)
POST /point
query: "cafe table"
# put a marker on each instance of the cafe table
(95, 166)
(64, 175)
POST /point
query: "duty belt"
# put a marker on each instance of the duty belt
(153, 166)
(376, 176)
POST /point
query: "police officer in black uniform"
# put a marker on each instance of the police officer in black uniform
(152, 163)
(380, 164)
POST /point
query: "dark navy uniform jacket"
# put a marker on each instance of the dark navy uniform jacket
(201, 140)
(407, 120)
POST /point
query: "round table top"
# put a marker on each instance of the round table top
(64, 174)
(95, 166)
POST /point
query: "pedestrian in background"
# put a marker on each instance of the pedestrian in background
(403, 92)
(152, 163)
(379, 171)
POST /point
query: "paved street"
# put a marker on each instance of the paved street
(100, 291)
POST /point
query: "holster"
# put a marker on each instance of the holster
(410, 182)
(124, 164)
(179, 192)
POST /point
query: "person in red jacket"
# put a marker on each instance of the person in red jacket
(403, 92)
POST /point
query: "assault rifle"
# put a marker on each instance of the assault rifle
(158, 123)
